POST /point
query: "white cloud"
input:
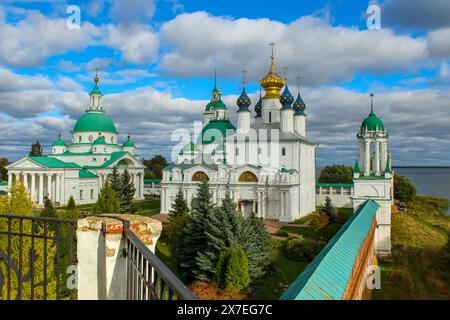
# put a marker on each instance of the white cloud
(30, 41)
(438, 43)
(310, 47)
(138, 44)
(132, 11)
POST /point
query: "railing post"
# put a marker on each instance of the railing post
(102, 269)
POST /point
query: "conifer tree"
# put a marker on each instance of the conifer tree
(107, 202)
(115, 180)
(193, 238)
(236, 276)
(329, 209)
(48, 211)
(71, 206)
(127, 193)
(179, 207)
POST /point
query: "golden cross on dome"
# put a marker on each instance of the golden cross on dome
(96, 76)
(273, 44)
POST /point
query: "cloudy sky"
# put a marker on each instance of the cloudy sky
(157, 60)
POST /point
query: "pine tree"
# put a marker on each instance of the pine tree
(178, 216)
(115, 180)
(329, 210)
(179, 207)
(193, 238)
(48, 211)
(107, 201)
(71, 206)
(127, 193)
(237, 272)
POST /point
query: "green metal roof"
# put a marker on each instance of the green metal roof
(208, 134)
(85, 174)
(114, 157)
(371, 177)
(3, 183)
(152, 180)
(215, 105)
(129, 144)
(50, 162)
(59, 143)
(96, 90)
(335, 185)
(99, 140)
(326, 277)
(95, 122)
(356, 169)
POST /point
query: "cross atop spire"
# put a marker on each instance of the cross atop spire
(371, 103)
(273, 44)
(244, 72)
(96, 79)
(285, 69)
(298, 83)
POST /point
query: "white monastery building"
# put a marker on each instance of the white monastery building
(80, 168)
(268, 169)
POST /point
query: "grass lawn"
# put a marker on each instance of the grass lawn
(418, 235)
(281, 273)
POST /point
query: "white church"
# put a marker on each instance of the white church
(268, 169)
(79, 168)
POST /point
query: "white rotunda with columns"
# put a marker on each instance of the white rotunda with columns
(80, 167)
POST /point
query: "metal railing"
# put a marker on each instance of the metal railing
(36, 254)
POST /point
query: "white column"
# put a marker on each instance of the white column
(58, 188)
(10, 181)
(33, 187)
(41, 189)
(377, 158)
(282, 204)
(25, 181)
(49, 187)
(367, 158)
(62, 188)
(141, 179)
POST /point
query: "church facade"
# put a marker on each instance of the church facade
(80, 168)
(267, 168)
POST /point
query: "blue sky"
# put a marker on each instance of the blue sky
(157, 60)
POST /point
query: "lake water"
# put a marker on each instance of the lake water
(429, 181)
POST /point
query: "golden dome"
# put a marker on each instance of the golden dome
(272, 82)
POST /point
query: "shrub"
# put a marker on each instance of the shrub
(71, 206)
(232, 270)
(208, 291)
(328, 209)
(404, 189)
(319, 221)
(302, 249)
(336, 174)
(282, 233)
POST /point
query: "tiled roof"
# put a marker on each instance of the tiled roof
(53, 162)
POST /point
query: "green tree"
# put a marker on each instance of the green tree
(127, 193)
(404, 189)
(193, 238)
(227, 228)
(107, 201)
(71, 206)
(178, 216)
(115, 180)
(48, 211)
(336, 174)
(232, 271)
(329, 209)
(155, 167)
(3, 172)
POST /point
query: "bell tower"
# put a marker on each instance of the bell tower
(373, 178)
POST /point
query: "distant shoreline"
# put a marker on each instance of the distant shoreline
(425, 167)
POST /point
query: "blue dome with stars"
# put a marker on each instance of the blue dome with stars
(286, 99)
(299, 106)
(243, 101)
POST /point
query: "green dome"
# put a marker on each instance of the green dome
(216, 105)
(95, 122)
(129, 144)
(59, 143)
(372, 123)
(99, 140)
(223, 126)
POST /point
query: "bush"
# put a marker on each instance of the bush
(208, 291)
(282, 233)
(319, 221)
(232, 270)
(302, 249)
(404, 189)
(336, 174)
(328, 209)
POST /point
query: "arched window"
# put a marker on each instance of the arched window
(91, 138)
(79, 138)
(200, 176)
(248, 176)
